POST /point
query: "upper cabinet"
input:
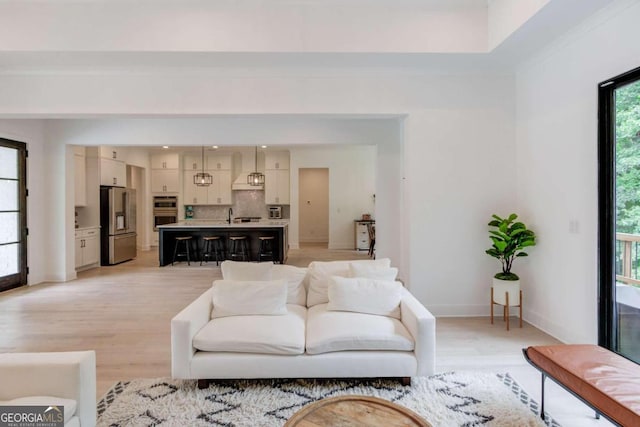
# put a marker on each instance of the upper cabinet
(219, 162)
(276, 160)
(276, 187)
(113, 169)
(219, 192)
(108, 152)
(276, 178)
(165, 173)
(193, 162)
(193, 194)
(165, 161)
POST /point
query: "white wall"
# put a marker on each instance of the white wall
(557, 166)
(352, 181)
(452, 136)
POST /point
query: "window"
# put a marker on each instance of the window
(619, 214)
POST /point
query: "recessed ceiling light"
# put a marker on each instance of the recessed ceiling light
(263, 146)
(165, 146)
(214, 146)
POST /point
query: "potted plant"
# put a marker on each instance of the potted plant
(509, 238)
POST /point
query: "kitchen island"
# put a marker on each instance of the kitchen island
(197, 229)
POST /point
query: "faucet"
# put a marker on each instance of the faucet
(229, 217)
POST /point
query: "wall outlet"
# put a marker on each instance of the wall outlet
(574, 226)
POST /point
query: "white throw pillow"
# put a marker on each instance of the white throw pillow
(320, 272)
(241, 298)
(296, 294)
(236, 270)
(368, 296)
(69, 405)
(373, 272)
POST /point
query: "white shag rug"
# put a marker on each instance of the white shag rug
(449, 399)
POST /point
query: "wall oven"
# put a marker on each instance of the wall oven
(165, 210)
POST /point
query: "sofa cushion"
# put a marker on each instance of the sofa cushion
(329, 331)
(320, 272)
(372, 271)
(255, 334)
(361, 295)
(69, 405)
(296, 294)
(236, 270)
(238, 298)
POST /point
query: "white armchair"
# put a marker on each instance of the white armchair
(65, 375)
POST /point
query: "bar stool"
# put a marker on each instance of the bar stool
(266, 248)
(187, 242)
(238, 247)
(212, 245)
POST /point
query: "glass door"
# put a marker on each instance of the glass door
(619, 175)
(13, 215)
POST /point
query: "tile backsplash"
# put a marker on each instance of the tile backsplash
(245, 203)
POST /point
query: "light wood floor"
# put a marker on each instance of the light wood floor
(123, 313)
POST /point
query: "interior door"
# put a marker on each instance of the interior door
(13, 214)
(313, 208)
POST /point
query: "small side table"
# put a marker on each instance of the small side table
(354, 411)
(505, 307)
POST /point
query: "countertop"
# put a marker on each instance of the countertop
(89, 227)
(205, 223)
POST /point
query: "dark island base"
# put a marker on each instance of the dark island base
(167, 241)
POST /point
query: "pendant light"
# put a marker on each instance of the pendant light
(255, 178)
(202, 179)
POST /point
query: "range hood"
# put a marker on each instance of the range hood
(248, 166)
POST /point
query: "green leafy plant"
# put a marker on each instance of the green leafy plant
(509, 239)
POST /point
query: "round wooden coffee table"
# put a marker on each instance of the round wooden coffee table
(355, 411)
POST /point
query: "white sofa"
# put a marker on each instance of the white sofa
(310, 340)
(53, 379)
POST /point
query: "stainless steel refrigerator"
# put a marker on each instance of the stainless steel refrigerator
(118, 225)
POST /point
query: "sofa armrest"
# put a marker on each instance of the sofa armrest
(71, 375)
(184, 327)
(422, 326)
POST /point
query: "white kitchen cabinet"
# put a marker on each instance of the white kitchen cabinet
(87, 247)
(165, 173)
(165, 181)
(192, 162)
(219, 193)
(276, 160)
(113, 173)
(218, 162)
(80, 173)
(276, 186)
(113, 153)
(193, 194)
(165, 161)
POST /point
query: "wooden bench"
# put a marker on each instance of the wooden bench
(604, 380)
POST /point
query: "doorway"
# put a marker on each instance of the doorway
(314, 206)
(13, 214)
(619, 214)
